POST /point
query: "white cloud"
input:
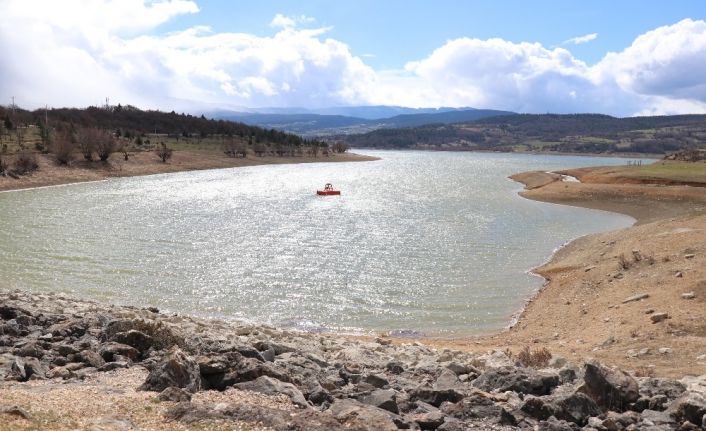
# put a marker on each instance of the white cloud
(578, 40)
(77, 53)
(663, 71)
(282, 21)
(73, 64)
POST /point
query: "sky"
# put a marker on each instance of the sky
(621, 58)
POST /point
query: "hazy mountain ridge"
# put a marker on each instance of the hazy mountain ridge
(320, 124)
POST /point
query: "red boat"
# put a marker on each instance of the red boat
(328, 190)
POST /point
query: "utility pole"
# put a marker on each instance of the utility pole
(13, 105)
(46, 115)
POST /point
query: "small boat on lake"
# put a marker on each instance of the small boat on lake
(328, 190)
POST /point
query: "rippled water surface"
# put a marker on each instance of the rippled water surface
(437, 243)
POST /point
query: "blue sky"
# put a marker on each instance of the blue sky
(397, 31)
(620, 57)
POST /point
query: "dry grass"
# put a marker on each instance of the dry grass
(643, 371)
(536, 359)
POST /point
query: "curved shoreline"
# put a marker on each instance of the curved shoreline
(581, 310)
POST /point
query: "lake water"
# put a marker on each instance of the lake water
(419, 242)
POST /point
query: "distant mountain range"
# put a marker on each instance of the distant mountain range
(352, 119)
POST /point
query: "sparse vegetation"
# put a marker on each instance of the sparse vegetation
(643, 371)
(25, 163)
(163, 152)
(105, 144)
(623, 262)
(536, 359)
(62, 146)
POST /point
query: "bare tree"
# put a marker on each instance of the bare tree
(62, 146)
(339, 147)
(86, 142)
(25, 162)
(230, 147)
(125, 150)
(314, 149)
(164, 152)
(3, 166)
(105, 144)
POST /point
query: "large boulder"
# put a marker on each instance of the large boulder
(610, 388)
(175, 369)
(269, 386)
(690, 406)
(521, 380)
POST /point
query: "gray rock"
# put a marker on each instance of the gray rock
(376, 380)
(521, 380)
(656, 418)
(278, 420)
(690, 406)
(451, 424)
(576, 408)
(553, 424)
(134, 338)
(348, 410)
(650, 387)
(269, 386)
(658, 317)
(31, 349)
(475, 406)
(435, 396)
(17, 370)
(16, 411)
(688, 295)
(429, 420)
(395, 367)
(175, 369)
(110, 350)
(460, 369)
(112, 423)
(610, 388)
(637, 297)
(174, 394)
(35, 369)
(385, 399)
(91, 358)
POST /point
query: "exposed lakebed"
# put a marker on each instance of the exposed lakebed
(419, 242)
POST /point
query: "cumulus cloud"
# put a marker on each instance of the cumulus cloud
(662, 72)
(70, 63)
(77, 53)
(578, 40)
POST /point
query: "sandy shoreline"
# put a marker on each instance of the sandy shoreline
(580, 311)
(146, 163)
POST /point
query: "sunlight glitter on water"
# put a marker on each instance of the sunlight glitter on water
(437, 243)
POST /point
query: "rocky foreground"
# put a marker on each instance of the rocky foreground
(52, 344)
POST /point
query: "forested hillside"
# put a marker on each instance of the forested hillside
(548, 132)
(135, 122)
